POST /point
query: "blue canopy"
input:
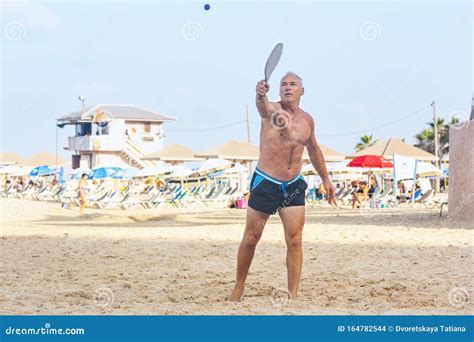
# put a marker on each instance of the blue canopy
(125, 173)
(43, 170)
(103, 172)
(77, 173)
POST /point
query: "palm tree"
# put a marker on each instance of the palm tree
(425, 139)
(365, 141)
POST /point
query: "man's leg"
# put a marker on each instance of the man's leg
(253, 232)
(293, 222)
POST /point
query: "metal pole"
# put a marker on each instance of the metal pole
(57, 132)
(436, 148)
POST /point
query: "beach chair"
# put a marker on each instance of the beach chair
(432, 202)
(347, 196)
(214, 195)
(111, 199)
(339, 192)
(445, 203)
(50, 194)
(5, 193)
(154, 201)
(387, 199)
(25, 192)
(420, 198)
(129, 201)
(222, 199)
(209, 194)
(93, 199)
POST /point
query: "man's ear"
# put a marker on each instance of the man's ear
(302, 91)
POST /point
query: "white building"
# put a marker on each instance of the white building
(114, 135)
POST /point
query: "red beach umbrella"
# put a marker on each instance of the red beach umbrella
(370, 161)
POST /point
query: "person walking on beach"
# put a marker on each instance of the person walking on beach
(277, 185)
(83, 192)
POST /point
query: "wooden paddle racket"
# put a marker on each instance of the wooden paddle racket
(272, 61)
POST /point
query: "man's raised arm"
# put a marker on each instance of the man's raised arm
(264, 107)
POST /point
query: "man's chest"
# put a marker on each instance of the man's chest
(297, 133)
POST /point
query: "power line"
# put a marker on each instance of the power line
(377, 127)
(368, 129)
(319, 135)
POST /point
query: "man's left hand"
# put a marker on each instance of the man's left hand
(330, 193)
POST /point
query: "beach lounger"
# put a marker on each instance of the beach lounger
(420, 198)
(346, 197)
(445, 203)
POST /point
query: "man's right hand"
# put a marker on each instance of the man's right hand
(262, 88)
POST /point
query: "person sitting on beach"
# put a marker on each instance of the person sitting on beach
(360, 194)
(402, 192)
(417, 194)
(373, 187)
(321, 192)
(8, 183)
(83, 191)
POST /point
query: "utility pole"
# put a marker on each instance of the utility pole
(57, 133)
(436, 148)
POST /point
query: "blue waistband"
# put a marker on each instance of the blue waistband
(274, 180)
(283, 184)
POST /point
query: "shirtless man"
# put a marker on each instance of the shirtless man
(277, 185)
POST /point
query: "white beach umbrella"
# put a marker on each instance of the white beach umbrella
(308, 169)
(333, 169)
(341, 167)
(237, 168)
(9, 169)
(153, 171)
(425, 169)
(15, 170)
(214, 165)
(180, 171)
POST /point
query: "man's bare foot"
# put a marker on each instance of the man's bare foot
(236, 294)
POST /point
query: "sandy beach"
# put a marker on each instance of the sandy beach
(166, 262)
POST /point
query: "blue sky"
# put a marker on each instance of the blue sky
(364, 65)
